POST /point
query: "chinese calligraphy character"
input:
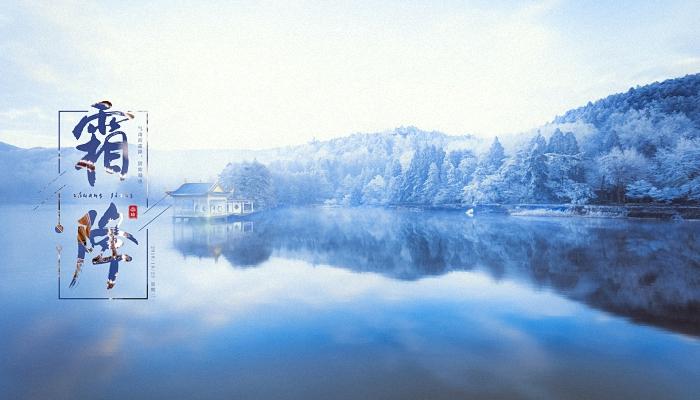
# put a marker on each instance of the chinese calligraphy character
(110, 141)
(107, 238)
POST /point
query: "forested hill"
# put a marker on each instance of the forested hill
(673, 96)
(638, 146)
(642, 145)
(364, 168)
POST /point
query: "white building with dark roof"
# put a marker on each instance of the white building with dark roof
(207, 200)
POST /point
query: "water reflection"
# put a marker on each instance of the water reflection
(282, 308)
(236, 241)
(647, 271)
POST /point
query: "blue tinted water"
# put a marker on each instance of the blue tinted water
(361, 303)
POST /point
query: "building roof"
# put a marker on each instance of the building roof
(199, 189)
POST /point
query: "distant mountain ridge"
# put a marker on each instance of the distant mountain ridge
(7, 147)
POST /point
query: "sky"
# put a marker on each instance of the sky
(252, 75)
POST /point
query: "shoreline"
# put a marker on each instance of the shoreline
(632, 211)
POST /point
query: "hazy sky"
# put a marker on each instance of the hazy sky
(262, 74)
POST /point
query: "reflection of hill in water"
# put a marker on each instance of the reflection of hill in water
(648, 271)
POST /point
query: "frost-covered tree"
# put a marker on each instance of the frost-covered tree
(620, 168)
(393, 182)
(465, 169)
(562, 143)
(565, 173)
(534, 170)
(431, 185)
(450, 191)
(249, 180)
(412, 188)
(678, 175)
(565, 179)
(491, 161)
(456, 156)
(374, 191)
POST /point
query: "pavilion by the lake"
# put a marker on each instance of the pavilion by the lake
(207, 200)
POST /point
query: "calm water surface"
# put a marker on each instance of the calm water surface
(361, 303)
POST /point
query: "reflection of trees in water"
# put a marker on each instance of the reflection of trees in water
(646, 270)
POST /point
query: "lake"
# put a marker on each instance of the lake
(320, 303)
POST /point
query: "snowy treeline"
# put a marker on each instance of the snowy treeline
(383, 168)
(643, 145)
(639, 146)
